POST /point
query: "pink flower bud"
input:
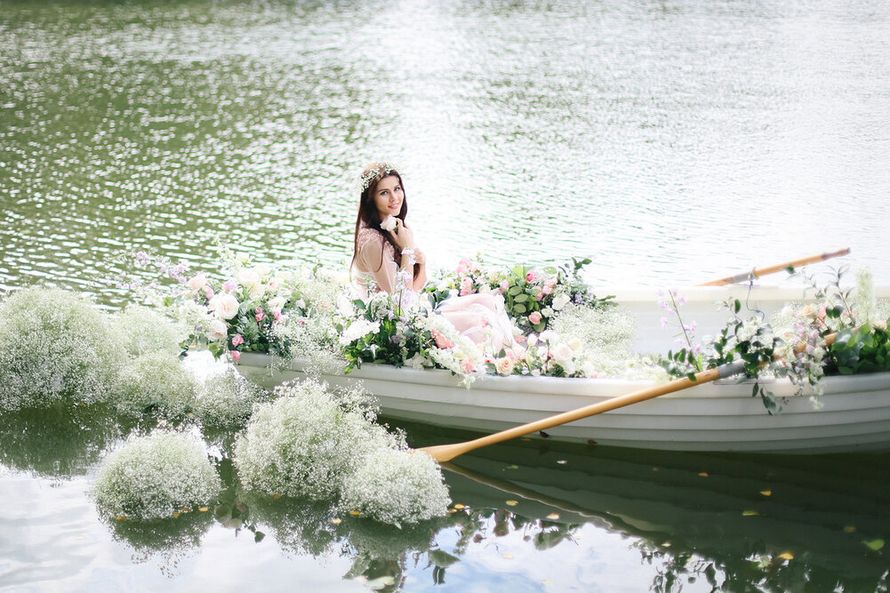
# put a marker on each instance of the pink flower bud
(230, 286)
(535, 318)
(236, 356)
(260, 314)
(237, 340)
(208, 292)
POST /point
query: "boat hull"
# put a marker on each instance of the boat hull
(720, 416)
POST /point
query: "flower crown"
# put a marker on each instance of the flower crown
(374, 172)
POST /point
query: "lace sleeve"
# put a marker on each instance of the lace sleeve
(372, 249)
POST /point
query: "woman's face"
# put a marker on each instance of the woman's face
(388, 196)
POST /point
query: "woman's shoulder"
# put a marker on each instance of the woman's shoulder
(371, 241)
(366, 233)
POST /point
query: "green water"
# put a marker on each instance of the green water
(670, 141)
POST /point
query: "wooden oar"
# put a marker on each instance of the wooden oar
(758, 272)
(443, 453)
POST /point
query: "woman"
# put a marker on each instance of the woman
(386, 256)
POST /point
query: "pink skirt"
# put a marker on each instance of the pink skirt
(480, 317)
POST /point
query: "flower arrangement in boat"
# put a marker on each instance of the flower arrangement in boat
(532, 296)
(793, 345)
(240, 311)
(380, 327)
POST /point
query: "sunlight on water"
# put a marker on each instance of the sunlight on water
(671, 142)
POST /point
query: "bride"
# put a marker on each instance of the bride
(386, 257)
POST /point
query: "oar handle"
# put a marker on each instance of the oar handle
(758, 272)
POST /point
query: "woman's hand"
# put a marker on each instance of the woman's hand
(403, 236)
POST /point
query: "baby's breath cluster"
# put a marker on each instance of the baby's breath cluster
(323, 445)
(144, 330)
(55, 346)
(155, 476)
(225, 400)
(156, 384)
(304, 443)
(396, 486)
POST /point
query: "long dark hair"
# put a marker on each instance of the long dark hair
(367, 210)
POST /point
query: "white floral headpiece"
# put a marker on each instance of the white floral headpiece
(374, 172)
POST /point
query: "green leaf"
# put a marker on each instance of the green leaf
(514, 290)
(520, 298)
(519, 309)
(737, 306)
(215, 349)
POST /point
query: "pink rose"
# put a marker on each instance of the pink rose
(504, 366)
(468, 366)
(531, 277)
(237, 340)
(208, 292)
(539, 294)
(441, 341)
(236, 356)
(535, 317)
(463, 265)
(277, 315)
(230, 286)
(260, 314)
(466, 287)
(547, 289)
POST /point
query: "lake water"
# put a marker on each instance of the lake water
(670, 141)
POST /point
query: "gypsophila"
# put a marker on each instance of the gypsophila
(154, 476)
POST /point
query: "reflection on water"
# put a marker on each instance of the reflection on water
(528, 515)
(677, 140)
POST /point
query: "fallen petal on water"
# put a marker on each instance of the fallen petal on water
(766, 492)
(786, 555)
(336, 520)
(512, 503)
(875, 545)
(553, 516)
(750, 514)
(849, 529)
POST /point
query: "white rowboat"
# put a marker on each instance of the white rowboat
(720, 416)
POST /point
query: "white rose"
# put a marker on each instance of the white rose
(224, 305)
(562, 353)
(388, 223)
(560, 301)
(277, 304)
(198, 282)
(255, 291)
(504, 366)
(218, 330)
(546, 311)
(262, 270)
(575, 344)
(248, 276)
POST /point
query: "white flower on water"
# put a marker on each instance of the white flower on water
(224, 305)
(359, 329)
(388, 223)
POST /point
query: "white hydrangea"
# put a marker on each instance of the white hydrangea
(305, 442)
(359, 329)
(156, 384)
(153, 476)
(145, 330)
(396, 486)
(55, 346)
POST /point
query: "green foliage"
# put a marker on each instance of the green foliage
(863, 349)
